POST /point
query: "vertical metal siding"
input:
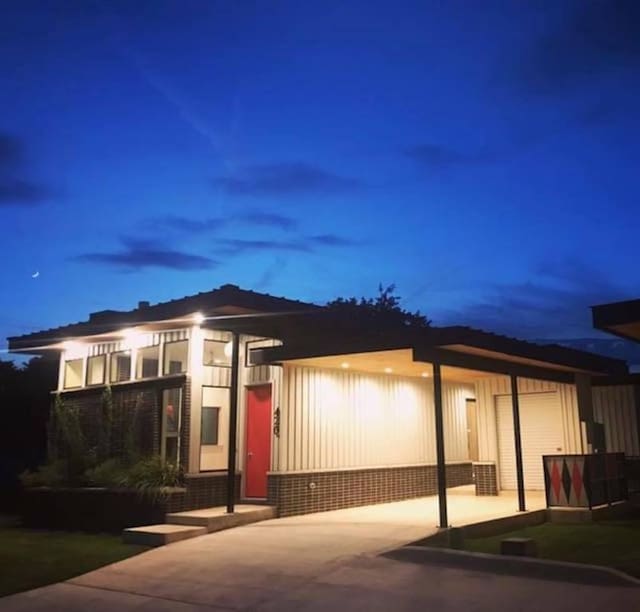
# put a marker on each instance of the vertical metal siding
(333, 419)
(616, 408)
(486, 390)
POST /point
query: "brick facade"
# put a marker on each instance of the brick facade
(203, 490)
(305, 492)
(486, 479)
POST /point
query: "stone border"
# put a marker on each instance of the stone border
(540, 569)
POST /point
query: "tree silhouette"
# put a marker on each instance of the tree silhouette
(384, 310)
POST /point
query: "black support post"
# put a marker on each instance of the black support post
(442, 472)
(233, 423)
(515, 405)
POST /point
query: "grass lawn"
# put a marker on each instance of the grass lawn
(32, 558)
(611, 543)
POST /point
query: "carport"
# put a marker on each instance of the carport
(445, 362)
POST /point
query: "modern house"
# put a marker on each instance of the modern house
(267, 398)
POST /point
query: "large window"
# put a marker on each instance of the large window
(175, 357)
(147, 362)
(73, 373)
(209, 426)
(96, 370)
(217, 353)
(120, 366)
(171, 409)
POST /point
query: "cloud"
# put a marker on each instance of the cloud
(138, 255)
(303, 244)
(261, 218)
(234, 246)
(594, 36)
(437, 157)
(16, 189)
(286, 179)
(554, 305)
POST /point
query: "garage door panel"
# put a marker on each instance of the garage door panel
(541, 433)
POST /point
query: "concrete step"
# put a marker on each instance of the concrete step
(217, 519)
(159, 535)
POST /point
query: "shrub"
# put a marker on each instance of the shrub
(150, 475)
(109, 473)
(51, 474)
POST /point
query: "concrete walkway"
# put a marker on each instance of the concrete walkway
(316, 562)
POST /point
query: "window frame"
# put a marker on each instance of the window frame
(164, 358)
(215, 365)
(64, 375)
(157, 346)
(112, 357)
(102, 356)
(218, 410)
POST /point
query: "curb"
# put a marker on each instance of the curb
(526, 567)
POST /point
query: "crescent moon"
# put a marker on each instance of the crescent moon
(35, 275)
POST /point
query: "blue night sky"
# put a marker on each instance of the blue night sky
(482, 156)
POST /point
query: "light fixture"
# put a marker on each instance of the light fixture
(228, 349)
(131, 338)
(198, 318)
(344, 365)
(425, 375)
(388, 370)
(74, 349)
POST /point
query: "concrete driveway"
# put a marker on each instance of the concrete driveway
(314, 562)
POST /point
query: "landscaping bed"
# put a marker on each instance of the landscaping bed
(613, 544)
(31, 558)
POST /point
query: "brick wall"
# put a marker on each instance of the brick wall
(305, 492)
(203, 491)
(485, 477)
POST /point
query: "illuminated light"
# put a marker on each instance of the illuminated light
(344, 365)
(74, 350)
(425, 375)
(198, 318)
(228, 349)
(131, 339)
(388, 370)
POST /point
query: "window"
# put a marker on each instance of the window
(147, 362)
(209, 426)
(120, 366)
(217, 353)
(171, 408)
(73, 373)
(96, 367)
(175, 357)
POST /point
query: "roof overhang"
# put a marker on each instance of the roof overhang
(463, 361)
(618, 318)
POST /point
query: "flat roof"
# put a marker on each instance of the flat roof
(618, 318)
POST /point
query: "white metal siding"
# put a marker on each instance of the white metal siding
(541, 433)
(332, 419)
(486, 390)
(617, 408)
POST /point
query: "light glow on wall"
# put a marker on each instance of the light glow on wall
(74, 350)
(132, 339)
(344, 365)
(388, 370)
(228, 349)
(198, 318)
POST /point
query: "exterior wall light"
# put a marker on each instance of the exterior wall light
(198, 318)
(344, 365)
(131, 339)
(425, 375)
(74, 350)
(388, 370)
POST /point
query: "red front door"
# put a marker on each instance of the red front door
(258, 440)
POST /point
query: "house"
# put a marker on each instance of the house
(267, 398)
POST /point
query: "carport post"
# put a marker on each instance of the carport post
(515, 405)
(441, 467)
(233, 422)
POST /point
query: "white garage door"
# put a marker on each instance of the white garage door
(541, 431)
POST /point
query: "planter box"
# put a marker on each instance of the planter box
(94, 509)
